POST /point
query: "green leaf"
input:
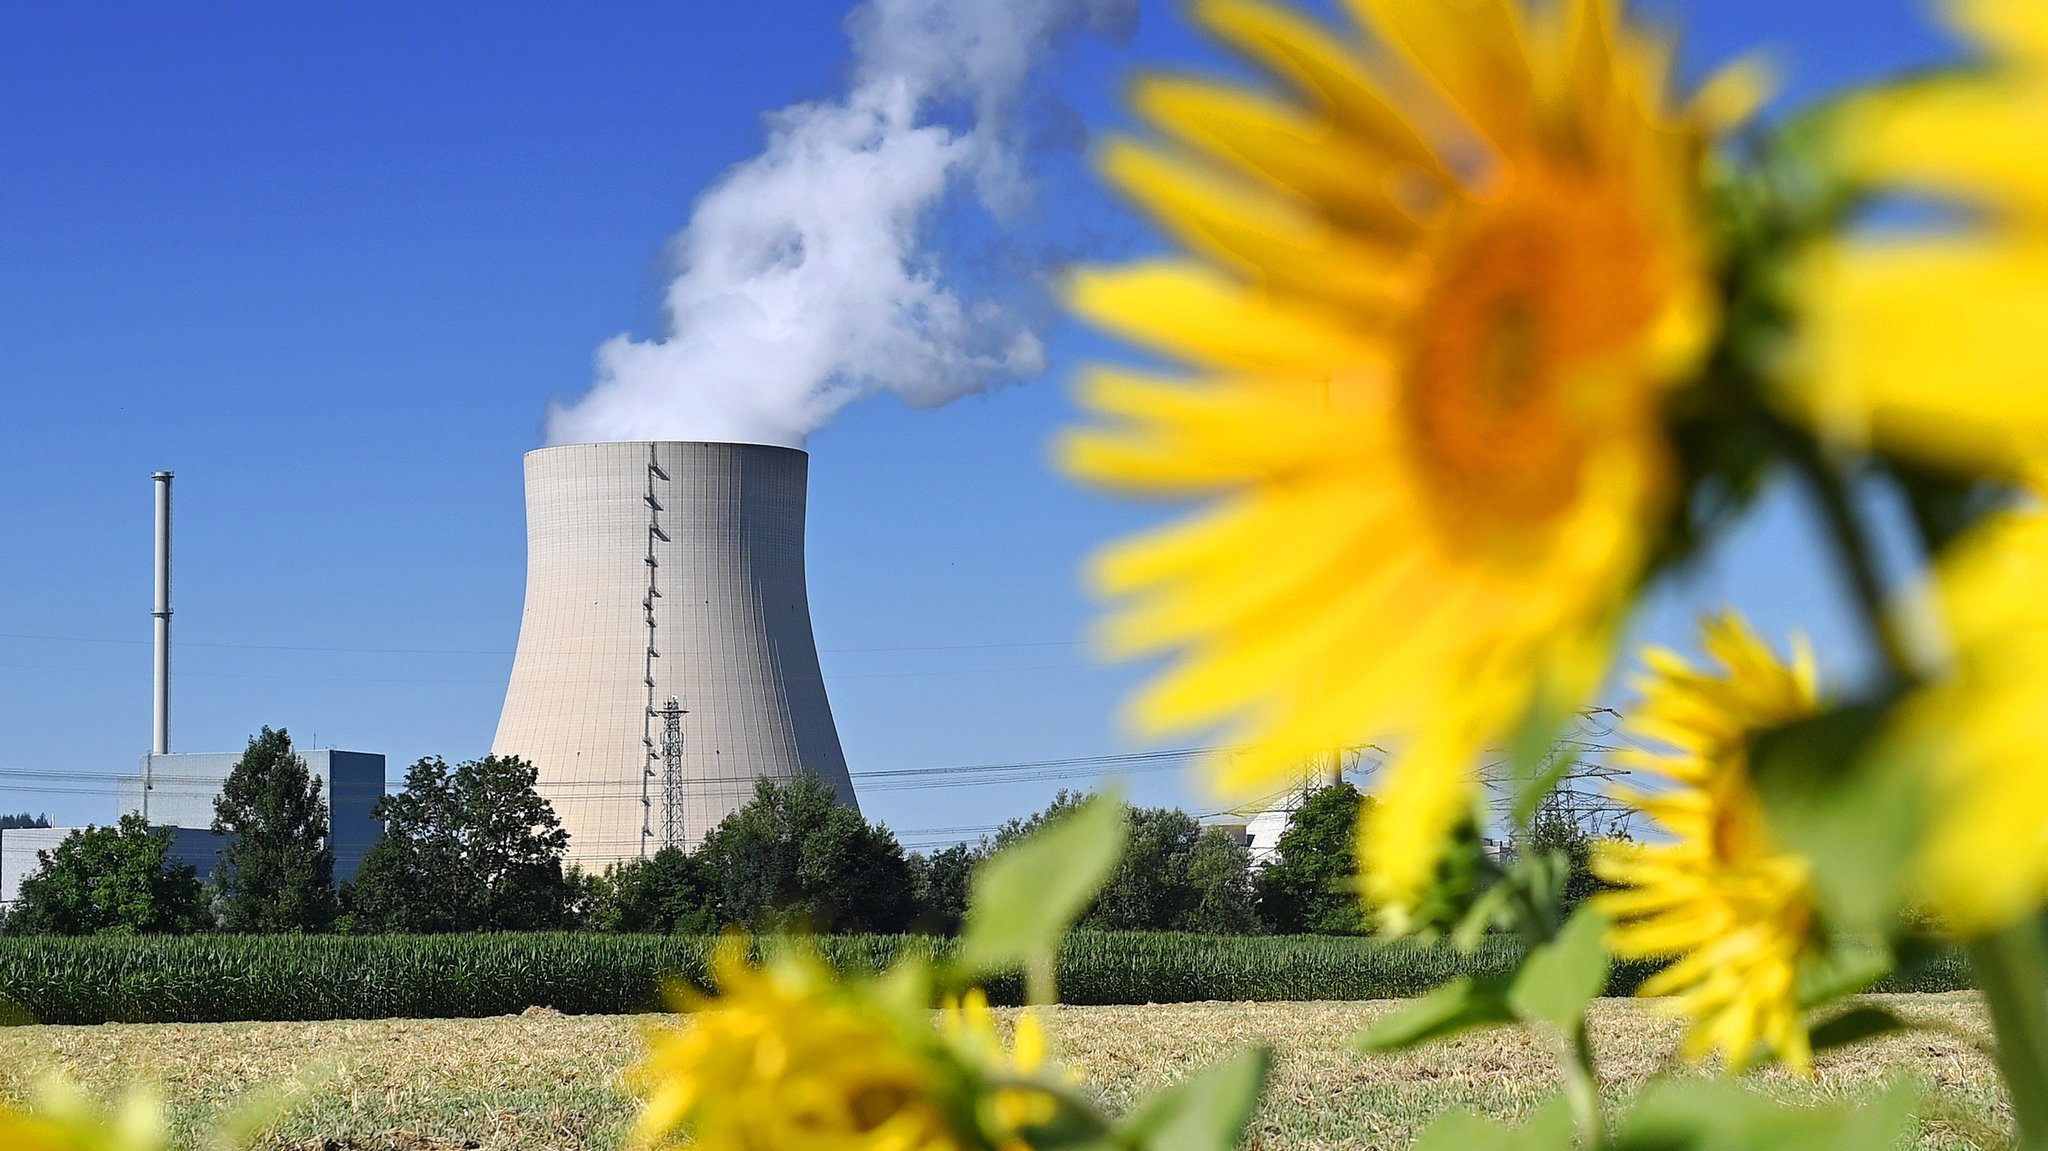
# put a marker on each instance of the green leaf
(1843, 967)
(1076, 1124)
(1544, 874)
(1533, 754)
(1854, 1026)
(1549, 1129)
(1558, 979)
(1208, 1111)
(1540, 784)
(1850, 812)
(1722, 1114)
(1027, 897)
(1491, 907)
(1535, 881)
(1459, 1005)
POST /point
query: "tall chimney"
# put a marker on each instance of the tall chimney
(160, 741)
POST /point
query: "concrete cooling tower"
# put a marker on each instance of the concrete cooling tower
(665, 657)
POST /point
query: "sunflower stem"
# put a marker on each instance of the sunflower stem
(1538, 926)
(2010, 968)
(1039, 986)
(1858, 561)
(1582, 1087)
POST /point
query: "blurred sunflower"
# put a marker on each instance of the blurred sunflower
(1984, 861)
(64, 1120)
(1007, 1109)
(1434, 307)
(1928, 341)
(1734, 912)
(789, 1056)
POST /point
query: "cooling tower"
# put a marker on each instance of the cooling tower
(660, 571)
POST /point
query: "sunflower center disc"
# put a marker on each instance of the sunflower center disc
(1503, 394)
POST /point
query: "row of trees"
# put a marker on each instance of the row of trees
(793, 857)
(468, 848)
(474, 847)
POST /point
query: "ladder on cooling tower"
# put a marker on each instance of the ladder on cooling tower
(671, 771)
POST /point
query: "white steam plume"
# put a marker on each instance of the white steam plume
(805, 280)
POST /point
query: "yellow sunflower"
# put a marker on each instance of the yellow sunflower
(1434, 303)
(1732, 910)
(1928, 341)
(1008, 1108)
(65, 1120)
(789, 1056)
(1984, 860)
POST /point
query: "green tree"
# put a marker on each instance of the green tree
(277, 872)
(411, 879)
(111, 880)
(940, 880)
(1174, 874)
(662, 894)
(472, 848)
(1064, 800)
(1552, 828)
(24, 820)
(794, 856)
(1150, 890)
(1310, 885)
(1220, 877)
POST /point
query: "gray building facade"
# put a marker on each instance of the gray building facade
(22, 848)
(655, 571)
(178, 790)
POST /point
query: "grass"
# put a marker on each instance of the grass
(545, 1082)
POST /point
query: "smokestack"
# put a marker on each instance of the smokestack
(659, 570)
(160, 741)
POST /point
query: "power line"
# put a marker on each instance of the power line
(502, 651)
(557, 680)
(890, 779)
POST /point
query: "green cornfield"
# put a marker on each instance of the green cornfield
(212, 978)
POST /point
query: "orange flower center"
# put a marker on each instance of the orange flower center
(1513, 377)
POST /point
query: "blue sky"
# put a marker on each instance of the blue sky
(330, 263)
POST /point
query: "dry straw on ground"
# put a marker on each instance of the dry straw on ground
(544, 1082)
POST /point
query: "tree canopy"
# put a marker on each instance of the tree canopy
(1552, 828)
(794, 856)
(664, 894)
(940, 880)
(1309, 886)
(277, 872)
(1175, 874)
(111, 880)
(469, 848)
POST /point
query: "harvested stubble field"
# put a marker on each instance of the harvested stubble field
(546, 1081)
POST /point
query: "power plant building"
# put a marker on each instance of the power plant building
(178, 790)
(666, 660)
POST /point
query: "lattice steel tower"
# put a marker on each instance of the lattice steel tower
(672, 782)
